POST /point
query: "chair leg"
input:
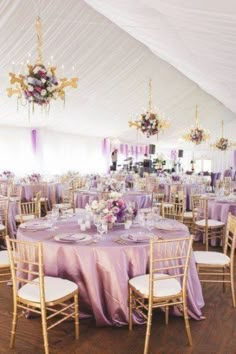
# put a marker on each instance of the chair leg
(13, 326)
(148, 330)
(232, 287)
(130, 309)
(76, 301)
(206, 240)
(187, 326)
(223, 278)
(44, 328)
(167, 315)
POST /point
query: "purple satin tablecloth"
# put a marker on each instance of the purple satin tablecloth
(218, 210)
(102, 270)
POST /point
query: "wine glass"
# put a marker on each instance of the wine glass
(54, 216)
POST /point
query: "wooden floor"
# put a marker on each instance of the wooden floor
(214, 335)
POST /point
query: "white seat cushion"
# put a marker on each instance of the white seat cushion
(211, 258)
(211, 223)
(188, 215)
(24, 217)
(42, 199)
(2, 227)
(4, 260)
(55, 288)
(63, 205)
(162, 288)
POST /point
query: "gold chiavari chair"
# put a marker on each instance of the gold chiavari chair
(5, 272)
(173, 211)
(3, 189)
(45, 295)
(14, 192)
(216, 267)
(4, 206)
(40, 193)
(28, 211)
(165, 286)
(210, 228)
(68, 201)
(157, 199)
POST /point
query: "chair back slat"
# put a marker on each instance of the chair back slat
(230, 236)
(26, 260)
(170, 257)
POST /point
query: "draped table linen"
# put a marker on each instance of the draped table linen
(102, 270)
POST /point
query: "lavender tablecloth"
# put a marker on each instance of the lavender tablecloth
(218, 210)
(102, 270)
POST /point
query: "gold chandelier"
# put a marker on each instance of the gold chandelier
(149, 123)
(197, 134)
(40, 85)
(223, 143)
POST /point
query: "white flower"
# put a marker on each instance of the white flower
(55, 95)
(105, 211)
(43, 81)
(43, 93)
(50, 89)
(115, 195)
(30, 80)
(30, 88)
(36, 69)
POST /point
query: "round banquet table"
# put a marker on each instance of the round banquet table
(102, 270)
(141, 199)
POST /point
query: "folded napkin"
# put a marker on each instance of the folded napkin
(138, 238)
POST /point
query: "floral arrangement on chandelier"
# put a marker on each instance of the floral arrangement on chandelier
(112, 210)
(197, 135)
(149, 123)
(40, 85)
(223, 143)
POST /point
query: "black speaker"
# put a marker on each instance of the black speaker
(152, 149)
(180, 153)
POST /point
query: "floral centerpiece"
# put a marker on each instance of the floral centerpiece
(112, 210)
(35, 177)
(8, 174)
(40, 84)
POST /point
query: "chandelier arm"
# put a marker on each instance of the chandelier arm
(150, 96)
(196, 116)
(222, 129)
(38, 26)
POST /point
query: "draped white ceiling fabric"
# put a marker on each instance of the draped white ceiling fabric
(187, 47)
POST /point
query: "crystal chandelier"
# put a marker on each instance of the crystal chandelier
(197, 134)
(223, 143)
(149, 123)
(40, 85)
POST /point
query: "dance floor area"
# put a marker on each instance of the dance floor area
(214, 334)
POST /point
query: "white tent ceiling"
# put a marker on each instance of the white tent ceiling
(186, 47)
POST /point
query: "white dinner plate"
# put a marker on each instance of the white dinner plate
(36, 225)
(166, 225)
(137, 238)
(71, 238)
